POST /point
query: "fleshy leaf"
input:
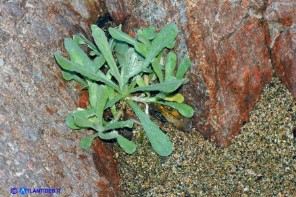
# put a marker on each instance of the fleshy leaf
(81, 39)
(69, 75)
(131, 63)
(171, 61)
(82, 122)
(78, 39)
(183, 67)
(118, 125)
(108, 135)
(119, 35)
(113, 101)
(156, 67)
(102, 43)
(179, 98)
(86, 143)
(167, 86)
(71, 123)
(81, 118)
(149, 33)
(77, 55)
(93, 94)
(85, 71)
(120, 52)
(145, 35)
(128, 146)
(140, 81)
(98, 62)
(163, 39)
(159, 141)
(184, 109)
(102, 97)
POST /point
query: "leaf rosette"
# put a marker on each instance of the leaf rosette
(122, 71)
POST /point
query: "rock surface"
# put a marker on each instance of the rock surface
(120, 10)
(234, 46)
(281, 19)
(231, 53)
(37, 148)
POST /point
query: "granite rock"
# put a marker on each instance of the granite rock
(37, 148)
(120, 11)
(281, 19)
(227, 42)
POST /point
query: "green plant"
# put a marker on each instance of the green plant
(123, 71)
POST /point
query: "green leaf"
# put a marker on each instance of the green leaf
(170, 65)
(113, 101)
(183, 67)
(145, 35)
(184, 109)
(86, 143)
(179, 98)
(102, 43)
(167, 86)
(93, 94)
(128, 146)
(120, 52)
(108, 135)
(186, 80)
(149, 33)
(119, 35)
(81, 39)
(142, 38)
(71, 123)
(171, 45)
(81, 118)
(135, 71)
(118, 125)
(102, 97)
(77, 55)
(142, 49)
(140, 81)
(159, 141)
(98, 62)
(131, 64)
(85, 71)
(69, 75)
(82, 122)
(86, 113)
(132, 85)
(98, 96)
(156, 67)
(163, 39)
(78, 39)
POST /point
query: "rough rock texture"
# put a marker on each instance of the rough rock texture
(281, 18)
(120, 10)
(233, 45)
(229, 44)
(37, 149)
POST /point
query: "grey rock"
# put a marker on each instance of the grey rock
(37, 149)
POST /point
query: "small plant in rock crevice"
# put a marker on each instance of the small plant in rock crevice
(122, 72)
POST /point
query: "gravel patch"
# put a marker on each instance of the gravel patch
(260, 162)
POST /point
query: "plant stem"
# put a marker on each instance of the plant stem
(143, 99)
